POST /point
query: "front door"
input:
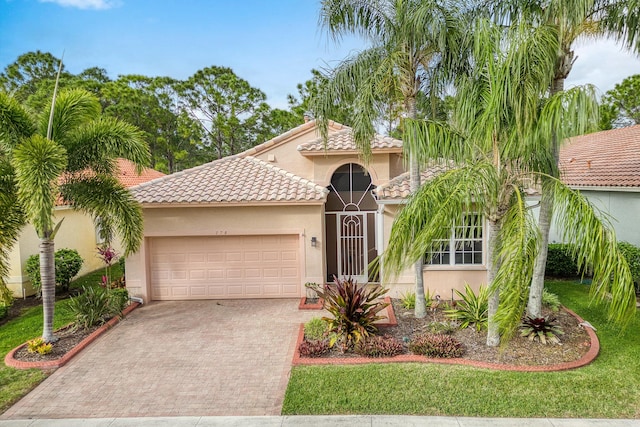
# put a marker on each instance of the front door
(350, 224)
(352, 246)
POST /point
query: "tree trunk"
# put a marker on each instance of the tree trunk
(534, 305)
(493, 331)
(420, 310)
(48, 280)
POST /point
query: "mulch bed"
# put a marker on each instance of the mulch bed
(519, 351)
(68, 338)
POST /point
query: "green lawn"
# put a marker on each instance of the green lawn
(608, 388)
(16, 383)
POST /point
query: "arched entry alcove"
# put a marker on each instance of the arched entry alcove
(350, 216)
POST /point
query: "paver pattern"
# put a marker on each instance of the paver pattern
(178, 358)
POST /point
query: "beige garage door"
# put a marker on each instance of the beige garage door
(225, 267)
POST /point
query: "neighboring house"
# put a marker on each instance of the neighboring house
(292, 210)
(605, 167)
(76, 232)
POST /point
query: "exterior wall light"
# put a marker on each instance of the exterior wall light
(314, 242)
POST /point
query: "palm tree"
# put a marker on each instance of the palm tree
(15, 124)
(497, 139)
(411, 40)
(575, 20)
(70, 157)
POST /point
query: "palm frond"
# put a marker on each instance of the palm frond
(11, 219)
(38, 164)
(15, 123)
(72, 108)
(429, 140)
(430, 214)
(594, 246)
(98, 143)
(517, 247)
(103, 197)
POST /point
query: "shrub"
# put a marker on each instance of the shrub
(409, 299)
(446, 328)
(4, 310)
(436, 345)
(559, 261)
(96, 305)
(473, 309)
(354, 308)
(379, 346)
(313, 348)
(68, 263)
(632, 255)
(542, 329)
(551, 300)
(315, 329)
(38, 345)
(119, 299)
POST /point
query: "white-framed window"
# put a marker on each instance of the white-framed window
(464, 246)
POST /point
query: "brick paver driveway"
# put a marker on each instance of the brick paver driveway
(175, 359)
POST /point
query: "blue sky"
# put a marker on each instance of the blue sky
(273, 44)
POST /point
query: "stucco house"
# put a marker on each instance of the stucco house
(263, 223)
(605, 167)
(77, 232)
(293, 210)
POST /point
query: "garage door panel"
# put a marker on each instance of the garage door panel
(197, 258)
(215, 257)
(233, 256)
(215, 274)
(197, 275)
(225, 267)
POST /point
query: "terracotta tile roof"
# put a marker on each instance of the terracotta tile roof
(235, 179)
(342, 141)
(602, 159)
(126, 174)
(398, 187)
(333, 126)
(129, 177)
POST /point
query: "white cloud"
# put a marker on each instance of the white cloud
(602, 63)
(85, 4)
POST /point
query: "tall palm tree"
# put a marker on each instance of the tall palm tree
(573, 21)
(497, 139)
(75, 164)
(410, 41)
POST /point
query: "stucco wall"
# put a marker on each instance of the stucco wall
(76, 232)
(623, 208)
(305, 221)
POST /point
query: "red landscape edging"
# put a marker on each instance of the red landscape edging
(10, 361)
(304, 306)
(587, 358)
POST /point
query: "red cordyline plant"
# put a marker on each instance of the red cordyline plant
(108, 256)
(354, 308)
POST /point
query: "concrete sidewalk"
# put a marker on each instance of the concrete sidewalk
(312, 421)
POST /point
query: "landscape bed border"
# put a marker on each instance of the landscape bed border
(586, 359)
(10, 361)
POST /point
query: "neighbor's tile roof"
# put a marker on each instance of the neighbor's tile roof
(232, 179)
(399, 187)
(602, 159)
(342, 141)
(129, 177)
(127, 174)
